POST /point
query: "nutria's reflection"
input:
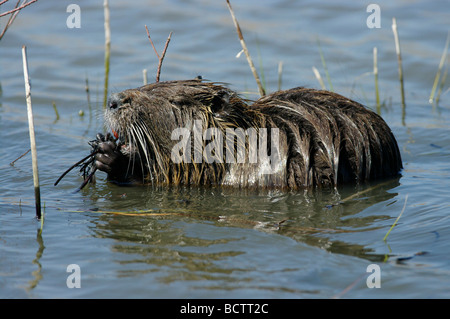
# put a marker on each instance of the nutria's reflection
(322, 218)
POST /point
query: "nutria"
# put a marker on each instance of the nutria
(321, 138)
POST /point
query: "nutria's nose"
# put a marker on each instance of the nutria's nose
(115, 100)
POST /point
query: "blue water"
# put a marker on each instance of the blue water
(213, 242)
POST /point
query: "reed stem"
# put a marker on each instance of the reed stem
(390, 229)
(280, 73)
(438, 74)
(318, 77)
(375, 72)
(399, 59)
(107, 50)
(441, 86)
(144, 76)
(37, 192)
(163, 54)
(86, 88)
(262, 92)
(324, 64)
(56, 110)
(16, 9)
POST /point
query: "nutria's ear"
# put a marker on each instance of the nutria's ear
(220, 102)
(179, 101)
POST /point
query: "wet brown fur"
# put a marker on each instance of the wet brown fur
(326, 139)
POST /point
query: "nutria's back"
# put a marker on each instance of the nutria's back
(304, 137)
(332, 139)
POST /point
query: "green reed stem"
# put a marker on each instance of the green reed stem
(56, 110)
(438, 73)
(404, 206)
(324, 64)
(441, 86)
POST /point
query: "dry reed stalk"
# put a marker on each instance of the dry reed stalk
(163, 54)
(399, 59)
(375, 72)
(261, 90)
(280, 72)
(37, 192)
(12, 163)
(318, 77)
(144, 75)
(107, 50)
(11, 19)
(16, 9)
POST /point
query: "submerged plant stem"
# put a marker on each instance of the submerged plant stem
(404, 206)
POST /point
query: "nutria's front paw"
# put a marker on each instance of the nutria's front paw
(108, 157)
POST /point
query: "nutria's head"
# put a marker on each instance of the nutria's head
(143, 119)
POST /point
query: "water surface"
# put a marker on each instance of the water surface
(214, 242)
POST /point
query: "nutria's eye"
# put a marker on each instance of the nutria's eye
(113, 105)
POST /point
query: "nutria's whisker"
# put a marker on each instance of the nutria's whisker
(75, 165)
(142, 141)
(136, 140)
